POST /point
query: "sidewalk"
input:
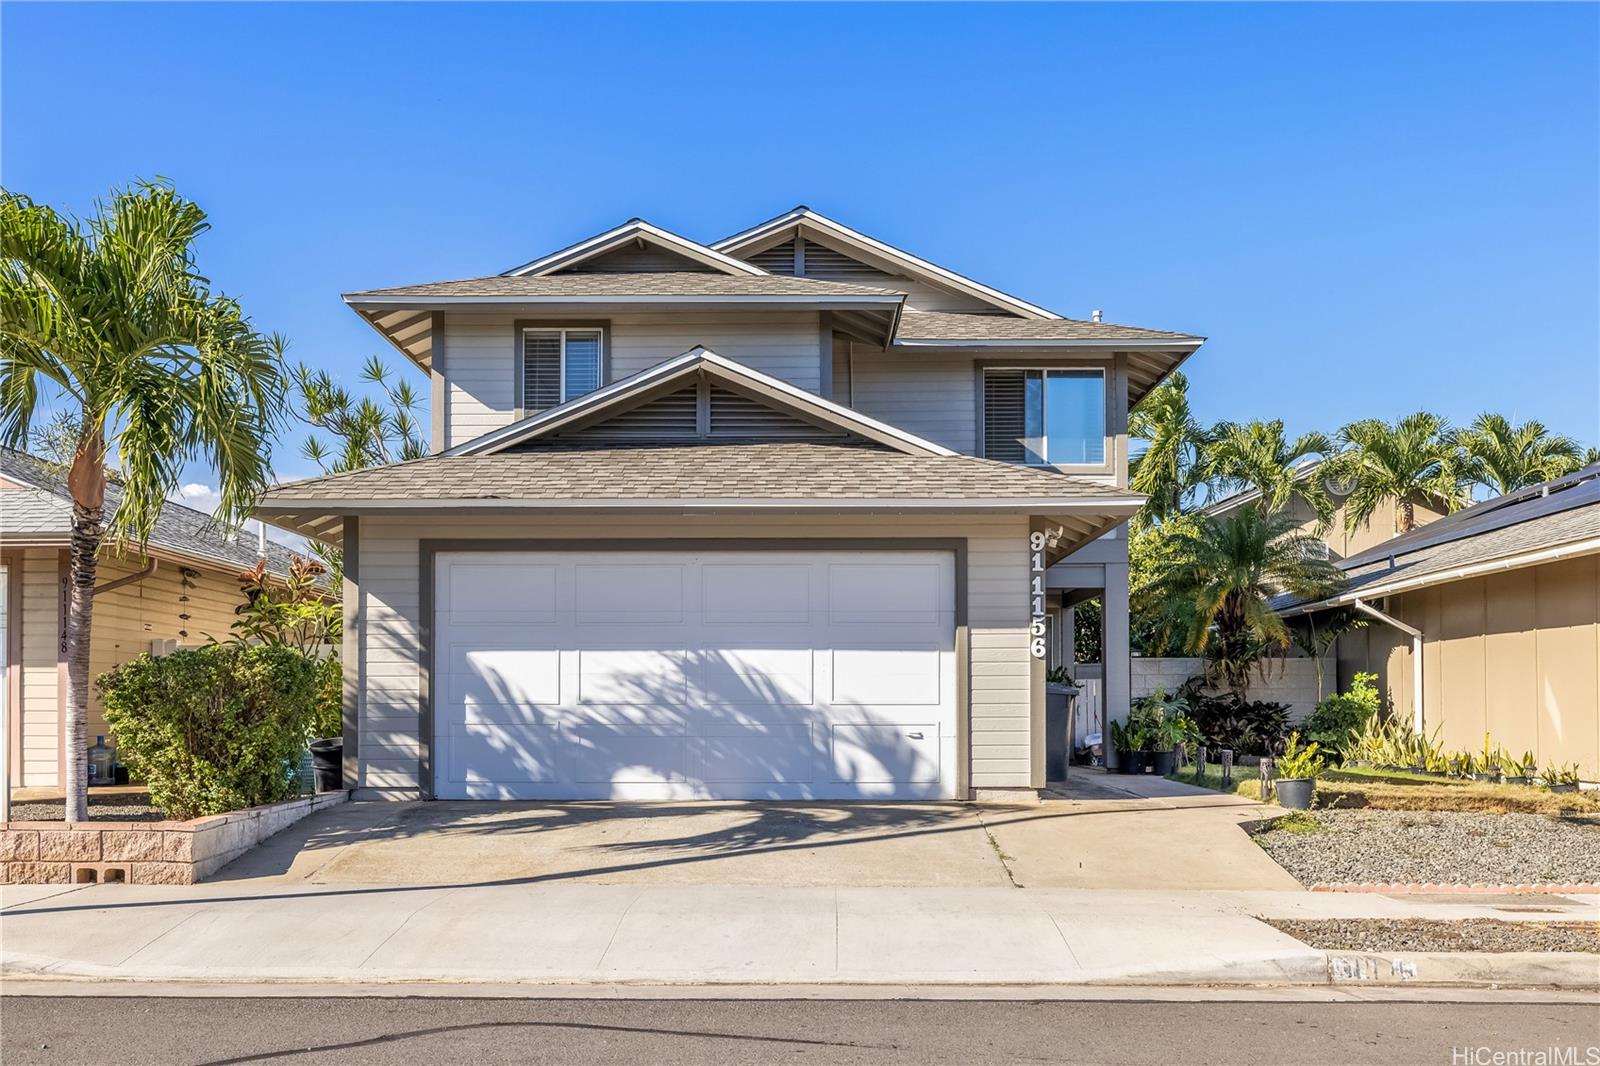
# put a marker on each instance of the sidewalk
(706, 934)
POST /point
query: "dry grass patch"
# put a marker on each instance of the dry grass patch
(1470, 796)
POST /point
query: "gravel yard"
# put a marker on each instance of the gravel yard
(1439, 847)
(1421, 934)
(128, 807)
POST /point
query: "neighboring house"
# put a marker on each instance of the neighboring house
(1502, 600)
(747, 519)
(183, 590)
(1382, 525)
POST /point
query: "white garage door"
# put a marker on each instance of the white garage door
(674, 675)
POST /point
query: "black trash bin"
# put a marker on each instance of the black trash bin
(327, 764)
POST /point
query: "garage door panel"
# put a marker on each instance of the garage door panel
(773, 755)
(510, 674)
(500, 589)
(633, 676)
(887, 593)
(630, 594)
(886, 754)
(755, 593)
(627, 755)
(756, 677)
(895, 676)
(504, 754)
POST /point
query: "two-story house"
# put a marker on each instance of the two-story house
(769, 518)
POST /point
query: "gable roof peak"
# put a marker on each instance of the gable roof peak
(634, 229)
(802, 218)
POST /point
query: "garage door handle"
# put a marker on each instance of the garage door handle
(914, 736)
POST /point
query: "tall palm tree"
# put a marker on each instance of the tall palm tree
(112, 317)
(1220, 575)
(1504, 457)
(1171, 467)
(1257, 455)
(1414, 459)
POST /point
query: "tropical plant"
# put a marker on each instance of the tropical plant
(213, 729)
(1258, 456)
(1172, 466)
(1222, 574)
(300, 612)
(1341, 718)
(1410, 461)
(1298, 761)
(153, 369)
(1226, 720)
(1162, 722)
(1504, 457)
(1559, 775)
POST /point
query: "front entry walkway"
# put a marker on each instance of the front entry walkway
(1096, 838)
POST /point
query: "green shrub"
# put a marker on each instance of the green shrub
(214, 729)
(1339, 717)
(1298, 761)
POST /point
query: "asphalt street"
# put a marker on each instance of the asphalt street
(417, 1031)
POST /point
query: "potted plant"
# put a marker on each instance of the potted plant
(1298, 769)
(1519, 771)
(1162, 724)
(1485, 764)
(1130, 760)
(1561, 778)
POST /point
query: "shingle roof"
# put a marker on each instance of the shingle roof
(667, 283)
(952, 326)
(732, 472)
(1501, 528)
(46, 510)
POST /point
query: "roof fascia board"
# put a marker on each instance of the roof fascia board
(1107, 506)
(615, 238)
(689, 362)
(1519, 561)
(912, 264)
(1111, 344)
(819, 300)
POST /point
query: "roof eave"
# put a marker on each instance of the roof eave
(1115, 507)
(619, 236)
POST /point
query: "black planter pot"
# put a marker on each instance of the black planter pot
(1296, 792)
(1130, 762)
(1161, 763)
(327, 764)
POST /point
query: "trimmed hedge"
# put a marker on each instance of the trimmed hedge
(214, 729)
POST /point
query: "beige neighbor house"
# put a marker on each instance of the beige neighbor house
(767, 518)
(1493, 613)
(182, 591)
(1342, 543)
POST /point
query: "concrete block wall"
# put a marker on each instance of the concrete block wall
(1289, 681)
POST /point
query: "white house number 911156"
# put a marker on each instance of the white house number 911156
(1037, 627)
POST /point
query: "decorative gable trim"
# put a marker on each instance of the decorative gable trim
(802, 219)
(634, 230)
(747, 387)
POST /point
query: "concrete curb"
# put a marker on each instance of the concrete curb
(1310, 969)
(1436, 888)
(1522, 969)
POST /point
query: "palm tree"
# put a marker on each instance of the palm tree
(1221, 574)
(1504, 457)
(1257, 455)
(1414, 459)
(154, 370)
(1171, 467)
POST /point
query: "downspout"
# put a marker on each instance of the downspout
(128, 579)
(1416, 658)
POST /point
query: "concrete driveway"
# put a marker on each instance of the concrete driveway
(1093, 837)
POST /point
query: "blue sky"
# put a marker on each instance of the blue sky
(1367, 209)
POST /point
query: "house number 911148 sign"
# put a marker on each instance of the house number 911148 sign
(1038, 625)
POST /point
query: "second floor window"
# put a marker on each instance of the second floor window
(559, 365)
(1045, 417)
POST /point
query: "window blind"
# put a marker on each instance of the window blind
(1005, 416)
(541, 369)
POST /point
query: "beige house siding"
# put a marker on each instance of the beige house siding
(999, 673)
(126, 621)
(477, 355)
(1382, 526)
(1516, 655)
(41, 672)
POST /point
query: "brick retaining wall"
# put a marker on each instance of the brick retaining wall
(143, 853)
